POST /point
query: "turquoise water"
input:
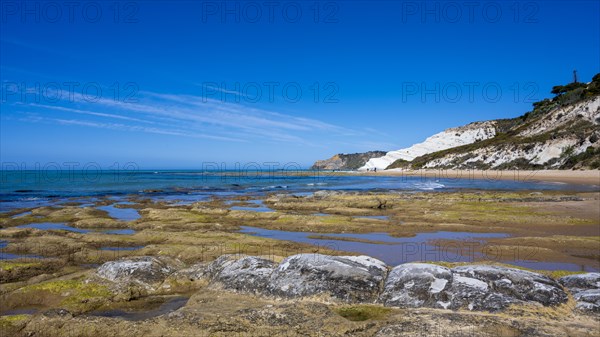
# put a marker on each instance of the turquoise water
(26, 189)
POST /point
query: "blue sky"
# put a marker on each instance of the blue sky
(173, 84)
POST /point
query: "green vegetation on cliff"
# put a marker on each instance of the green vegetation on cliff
(512, 137)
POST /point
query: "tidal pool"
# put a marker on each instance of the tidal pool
(20, 311)
(165, 308)
(10, 256)
(391, 250)
(20, 215)
(464, 247)
(123, 214)
(53, 225)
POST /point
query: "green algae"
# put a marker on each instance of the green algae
(10, 265)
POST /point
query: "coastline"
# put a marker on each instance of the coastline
(584, 177)
(553, 235)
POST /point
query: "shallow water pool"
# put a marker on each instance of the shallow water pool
(165, 308)
(464, 247)
(10, 256)
(123, 214)
(53, 225)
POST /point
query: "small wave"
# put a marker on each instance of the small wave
(555, 182)
(31, 199)
(275, 187)
(428, 186)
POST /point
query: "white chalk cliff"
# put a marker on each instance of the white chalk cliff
(446, 139)
(571, 130)
(558, 133)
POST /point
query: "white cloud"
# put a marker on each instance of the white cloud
(196, 117)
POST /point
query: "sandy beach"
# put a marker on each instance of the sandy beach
(586, 177)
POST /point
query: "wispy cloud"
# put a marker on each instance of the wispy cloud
(91, 113)
(32, 118)
(187, 116)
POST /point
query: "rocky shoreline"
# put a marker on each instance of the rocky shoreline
(192, 270)
(363, 279)
(310, 295)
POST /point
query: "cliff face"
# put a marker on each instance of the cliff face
(553, 137)
(342, 161)
(446, 139)
(559, 133)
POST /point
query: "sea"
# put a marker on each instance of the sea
(34, 188)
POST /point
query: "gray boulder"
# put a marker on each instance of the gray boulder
(192, 273)
(505, 286)
(581, 281)
(246, 273)
(585, 289)
(475, 294)
(476, 287)
(144, 271)
(348, 278)
(413, 285)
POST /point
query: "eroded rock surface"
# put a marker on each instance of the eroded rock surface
(504, 286)
(246, 273)
(359, 279)
(414, 285)
(476, 287)
(144, 271)
(585, 289)
(349, 278)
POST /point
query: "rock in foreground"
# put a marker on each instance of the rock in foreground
(248, 273)
(477, 287)
(414, 285)
(144, 271)
(504, 286)
(585, 289)
(349, 278)
(362, 279)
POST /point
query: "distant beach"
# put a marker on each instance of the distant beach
(585, 177)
